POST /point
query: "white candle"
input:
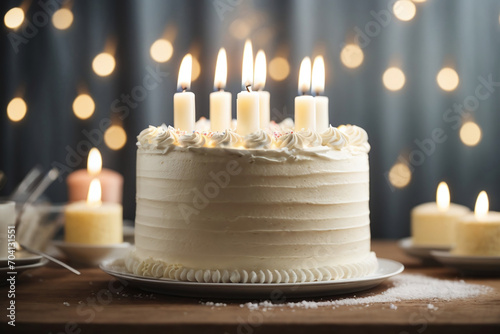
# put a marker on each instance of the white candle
(318, 87)
(184, 105)
(259, 83)
(305, 109)
(247, 102)
(220, 101)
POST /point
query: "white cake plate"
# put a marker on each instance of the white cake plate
(474, 265)
(22, 257)
(91, 255)
(421, 252)
(386, 269)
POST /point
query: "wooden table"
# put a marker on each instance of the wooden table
(52, 300)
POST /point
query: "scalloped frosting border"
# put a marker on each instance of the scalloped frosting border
(150, 267)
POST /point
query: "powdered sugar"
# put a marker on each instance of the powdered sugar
(405, 287)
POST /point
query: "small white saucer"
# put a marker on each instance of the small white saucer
(421, 252)
(386, 269)
(469, 264)
(22, 257)
(91, 255)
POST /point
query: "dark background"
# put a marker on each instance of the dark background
(52, 67)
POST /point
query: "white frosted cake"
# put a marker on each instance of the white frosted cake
(276, 206)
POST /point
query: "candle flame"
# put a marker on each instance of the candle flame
(94, 196)
(260, 70)
(318, 75)
(221, 70)
(305, 76)
(482, 205)
(185, 70)
(94, 162)
(443, 196)
(247, 70)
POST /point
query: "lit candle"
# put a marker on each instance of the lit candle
(318, 88)
(79, 181)
(247, 102)
(305, 110)
(184, 106)
(220, 101)
(259, 83)
(433, 224)
(479, 233)
(93, 222)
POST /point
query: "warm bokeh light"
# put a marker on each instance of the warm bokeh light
(482, 205)
(404, 10)
(161, 50)
(400, 175)
(318, 75)
(184, 79)
(62, 18)
(240, 29)
(393, 79)
(195, 70)
(279, 68)
(14, 18)
(447, 79)
(94, 162)
(247, 67)
(115, 137)
(95, 191)
(305, 76)
(443, 196)
(351, 56)
(221, 70)
(103, 64)
(470, 133)
(83, 106)
(260, 72)
(16, 109)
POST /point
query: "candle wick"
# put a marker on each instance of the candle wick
(220, 89)
(184, 89)
(249, 88)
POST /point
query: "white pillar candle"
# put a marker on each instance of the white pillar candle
(259, 83)
(247, 102)
(478, 234)
(184, 102)
(434, 223)
(220, 101)
(305, 109)
(318, 88)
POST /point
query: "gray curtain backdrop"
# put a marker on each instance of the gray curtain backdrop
(53, 66)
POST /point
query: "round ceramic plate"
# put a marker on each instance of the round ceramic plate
(469, 264)
(386, 269)
(91, 255)
(22, 257)
(4, 272)
(421, 252)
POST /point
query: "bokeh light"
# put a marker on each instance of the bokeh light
(14, 18)
(351, 56)
(447, 79)
(393, 78)
(470, 133)
(279, 68)
(103, 64)
(404, 10)
(161, 50)
(115, 137)
(240, 29)
(400, 175)
(196, 71)
(62, 18)
(16, 109)
(83, 106)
